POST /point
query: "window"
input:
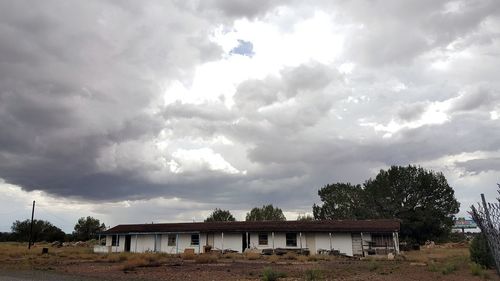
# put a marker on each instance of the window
(262, 238)
(195, 239)
(291, 239)
(115, 241)
(172, 240)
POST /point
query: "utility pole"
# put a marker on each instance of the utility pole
(31, 227)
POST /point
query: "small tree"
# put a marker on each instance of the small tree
(220, 215)
(305, 217)
(42, 231)
(266, 213)
(86, 228)
(480, 252)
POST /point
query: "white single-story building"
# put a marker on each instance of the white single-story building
(348, 237)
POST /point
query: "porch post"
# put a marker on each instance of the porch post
(396, 242)
(117, 243)
(199, 243)
(99, 239)
(156, 238)
(248, 244)
(300, 242)
(177, 243)
(362, 245)
(330, 236)
(222, 242)
(135, 251)
(273, 240)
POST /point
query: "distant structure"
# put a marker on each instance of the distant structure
(461, 224)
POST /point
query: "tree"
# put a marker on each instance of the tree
(220, 215)
(305, 217)
(42, 231)
(266, 213)
(86, 228)
(341, 201)
(421, 199)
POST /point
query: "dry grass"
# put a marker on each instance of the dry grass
(206, 258)
(273, 258)
(252, 256)
(188, 256)
(436, 254)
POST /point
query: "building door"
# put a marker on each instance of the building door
(244, 241)
(127, 243)
(357, 250)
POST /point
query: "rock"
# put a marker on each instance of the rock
(56, 244)
(418, 264)
(390, 256)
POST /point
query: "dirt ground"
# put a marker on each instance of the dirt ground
(434, 264)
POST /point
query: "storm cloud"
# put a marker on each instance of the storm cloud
(236, 104)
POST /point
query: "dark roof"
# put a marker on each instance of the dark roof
(386, 225)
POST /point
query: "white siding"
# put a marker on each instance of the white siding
(232, 241)
(279, 240)
(340, 241)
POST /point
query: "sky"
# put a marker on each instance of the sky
(160, 111)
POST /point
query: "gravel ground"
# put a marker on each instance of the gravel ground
(39, 276)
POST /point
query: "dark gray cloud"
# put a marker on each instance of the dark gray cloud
(82, 111)
(476, 166)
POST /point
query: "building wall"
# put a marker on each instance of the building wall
(120, 246)
(340, 241)
(232, 241)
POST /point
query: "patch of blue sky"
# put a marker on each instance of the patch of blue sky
(244, 48)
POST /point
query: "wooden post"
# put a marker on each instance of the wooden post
(273, 240)
(199, 243)
(177, 243)
(300, 242)
(222, 242)
(117, 243)
(362, 246)
(331, 246)
(135, 251)
(248, 241)
(31, 226)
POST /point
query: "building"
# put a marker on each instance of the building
(349, 237)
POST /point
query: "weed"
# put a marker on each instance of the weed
(271, 275)
(312, 275)
(449, 268)
(252, 256)
(273, 258)
(302, 258)
(373, 265)
(206, 258)
(290, 256)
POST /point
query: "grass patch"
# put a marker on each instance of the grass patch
(270, 274)
(478, 270)
(252, 256)
(206, 258)
(312, 274)
(373, 265)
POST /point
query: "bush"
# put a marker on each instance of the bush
(206, 258)
(480, 252)
(252, 256)
(312, 275)
(270, 275)
(478, 270)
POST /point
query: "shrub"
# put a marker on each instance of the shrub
(312, 275)
(188, 256)
(207, 258)
(273, 258)
(480, 252)
(476, 269)
(290, 256)
(252, 256)
(373, 265)
(302, 258)
(449, 268)
(133, 264)
(270, 275)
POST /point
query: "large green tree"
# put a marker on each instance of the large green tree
(341, 201)
(266, 213)
(421, 199)
(87, 228)
(220, 215)
(42, 231)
